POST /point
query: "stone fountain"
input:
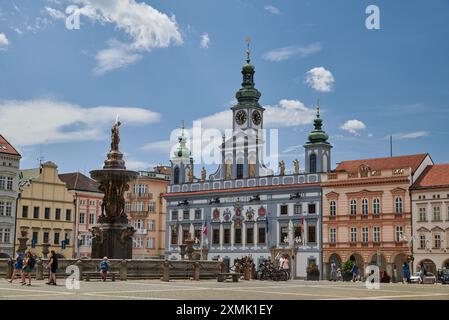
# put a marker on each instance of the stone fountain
(112, 235)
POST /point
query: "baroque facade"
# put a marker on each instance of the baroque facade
(9, 185)
(146, 210)
(244, 208)
(46, 210)
(430, 218)
(367, 212)
(88, 200)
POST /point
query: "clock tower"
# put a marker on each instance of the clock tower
(242, 153)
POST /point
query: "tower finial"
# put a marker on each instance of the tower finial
(318, 107)
(182, 126)
(248, 40)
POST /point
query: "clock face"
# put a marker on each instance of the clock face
(240, 117)
(257, 118)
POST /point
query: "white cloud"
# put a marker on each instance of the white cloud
(116, 56)
(205, 40)
(288, 113)
(293, 149)
(292, 51)
(272, 9)
(55, 14)
(285, 114)
(411, 135)
(132, 164)
(320, 79)
(48, 121)
(353, 126)
(163, 146)
(147, 28)
(4, 42)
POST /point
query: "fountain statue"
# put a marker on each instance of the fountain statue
(112, 236)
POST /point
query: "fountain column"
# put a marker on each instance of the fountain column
(112, 236)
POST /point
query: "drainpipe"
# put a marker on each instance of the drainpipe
(15, 224)
(75, 236)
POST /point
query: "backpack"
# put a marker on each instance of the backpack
(31, 262)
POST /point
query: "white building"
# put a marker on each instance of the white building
(430, 218)
(9, 184)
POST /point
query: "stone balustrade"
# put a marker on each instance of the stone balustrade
(127, 269)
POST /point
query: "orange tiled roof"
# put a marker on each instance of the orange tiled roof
(436, 175)
(6, 147)
(411, 161)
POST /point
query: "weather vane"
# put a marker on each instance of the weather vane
(248, 40)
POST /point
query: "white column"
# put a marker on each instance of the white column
(221, 236)
(243, 235)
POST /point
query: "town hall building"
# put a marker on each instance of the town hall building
(244, 208)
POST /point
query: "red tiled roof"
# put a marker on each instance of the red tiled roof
(401, 162)
(78, 181)
(6, 147)
(436, 175)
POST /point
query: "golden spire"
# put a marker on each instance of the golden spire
(248, 40)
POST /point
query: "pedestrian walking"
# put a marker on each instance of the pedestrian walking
(422, 272)
(28, 265)
(355, 272)
(104, 268)
(53, 266)
(333, 272)
(406, 272)
(18, 264)
(284, 265)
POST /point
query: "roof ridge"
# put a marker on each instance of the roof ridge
(403, 156)
(6, 140)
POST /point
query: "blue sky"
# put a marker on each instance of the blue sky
(157, 63)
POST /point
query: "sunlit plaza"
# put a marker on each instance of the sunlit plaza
(211, 289)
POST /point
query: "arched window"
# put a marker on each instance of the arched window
(376, 206)
(176, 176)
(332, 208)
(365, 206)
(398, 207)
(313, 163)
(353, 209)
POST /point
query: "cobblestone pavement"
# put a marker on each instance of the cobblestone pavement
(213, 290)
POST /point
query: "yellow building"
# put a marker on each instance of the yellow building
(46, 210)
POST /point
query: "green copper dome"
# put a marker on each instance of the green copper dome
(318, 135)
(182, 151)
(248, 94)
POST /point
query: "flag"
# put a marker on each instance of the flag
(205, 228)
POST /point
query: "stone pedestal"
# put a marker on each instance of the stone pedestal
(123, 270)
(196, 271)
(112, 241)
(39, 269)
(45, 250)
(204, 252)
(9, 269)
(23, 244)
(166, 271)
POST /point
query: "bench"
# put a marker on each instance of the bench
(221, 277)
(88, 275)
